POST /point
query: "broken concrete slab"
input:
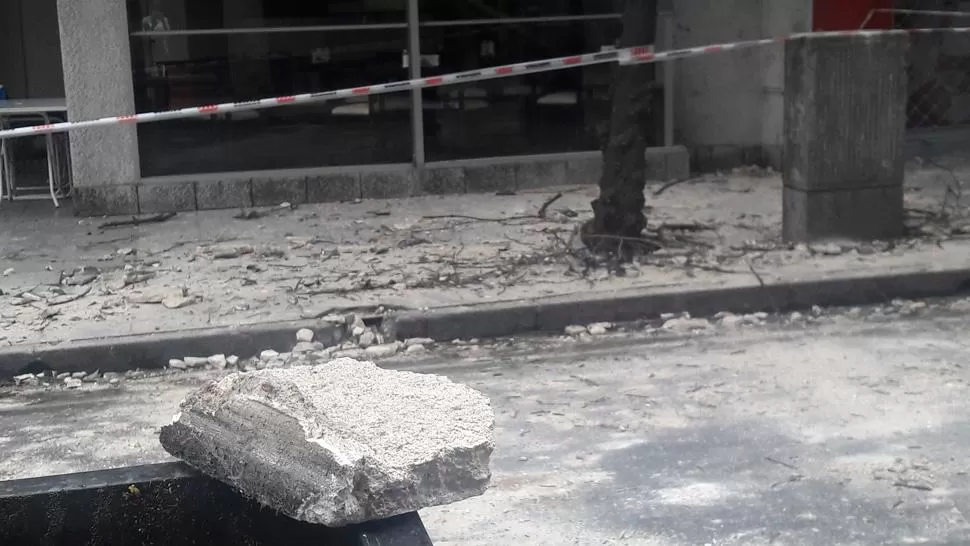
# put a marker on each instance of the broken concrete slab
(341, 443)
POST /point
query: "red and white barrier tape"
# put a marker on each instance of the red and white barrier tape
(646, 57)
(634, 55)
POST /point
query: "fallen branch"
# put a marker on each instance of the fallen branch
(782, 463)
(137, 221)
(694, 226)
(540, 214)
(545, 206)
(912, 485)
(474, 218)
(673, 183)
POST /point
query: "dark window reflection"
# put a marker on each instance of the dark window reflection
(542, 113)
(175, 69)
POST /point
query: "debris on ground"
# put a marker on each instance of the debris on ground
(138, 220)
(338, 444)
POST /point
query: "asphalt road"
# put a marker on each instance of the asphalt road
(848, 430)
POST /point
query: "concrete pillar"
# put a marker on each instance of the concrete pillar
(96, 57)
(845, 116)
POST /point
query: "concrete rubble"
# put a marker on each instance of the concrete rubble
(68, 279)
(339, 443)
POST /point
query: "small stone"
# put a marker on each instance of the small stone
(382, 351)
(72, 383)
(25, 379)
(732, 321)
(722, 314)
(195, 361)
(304, 347)
(178, 301)
(111, 375)
(334, 319)
(796, 317)
(358, 331)
(218, 362)
(8, 271)
(418, 341)
(114, 381)
(761, 315)
(126, 251)
(305, 335)
(92, 377)
(597, 329)
(232, 360)
(685, 324)
(575, 330)
(267, 355)
(177, 364)
(523, 459)
(414, 349)
(355, 354)
(667, 316)
(817, 311)
(62, 375)
(367, 339)
(79, 375)
(827, 249)
(226, 252)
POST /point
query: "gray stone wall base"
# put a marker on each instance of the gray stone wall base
(873, 213)
(239, 190)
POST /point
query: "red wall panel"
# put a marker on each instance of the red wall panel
(850, 14)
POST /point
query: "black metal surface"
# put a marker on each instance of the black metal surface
(168, 504)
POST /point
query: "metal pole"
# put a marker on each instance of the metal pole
(668, 68)
(414, 70)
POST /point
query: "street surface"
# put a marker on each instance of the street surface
(848, 428)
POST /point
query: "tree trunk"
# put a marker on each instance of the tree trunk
(619, 221)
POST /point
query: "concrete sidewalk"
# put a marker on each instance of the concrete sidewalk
(66, 279)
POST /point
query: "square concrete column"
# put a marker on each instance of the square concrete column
(96, 56)
(845, 117)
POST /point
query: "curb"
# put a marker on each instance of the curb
(153, 351)
(148, 351)
(554, 314)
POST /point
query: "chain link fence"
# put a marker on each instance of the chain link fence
(939, 63)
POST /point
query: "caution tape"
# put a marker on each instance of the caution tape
(634, 55)
(648, 57)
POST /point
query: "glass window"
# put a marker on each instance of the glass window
(187, 53)
(551, 112)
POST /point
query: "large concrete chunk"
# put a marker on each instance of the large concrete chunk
(341, 443)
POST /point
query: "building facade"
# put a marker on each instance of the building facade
(118, 57)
